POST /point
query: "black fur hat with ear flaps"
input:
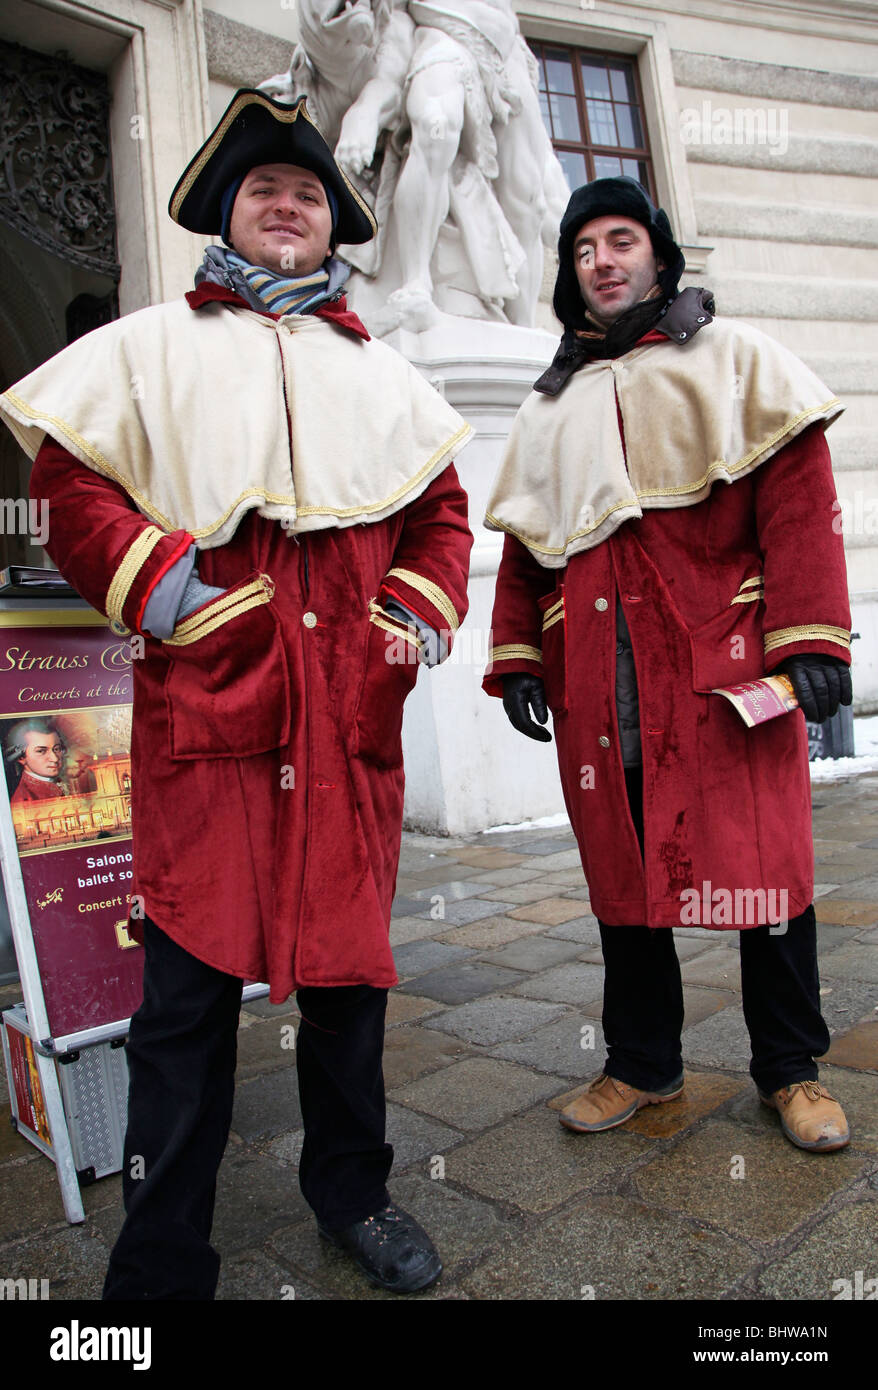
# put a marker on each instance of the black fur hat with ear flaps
(602, 198)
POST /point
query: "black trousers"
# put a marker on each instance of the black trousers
(182, 1050)
(643, 997)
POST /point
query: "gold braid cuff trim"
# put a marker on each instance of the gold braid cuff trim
(136, 557)
(222, 611)
(554, 609)
(513, 651)
(432, 593)
(556, 617)
(817, 632)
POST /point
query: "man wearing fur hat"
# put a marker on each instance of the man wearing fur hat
(668, 503)
(275, 516)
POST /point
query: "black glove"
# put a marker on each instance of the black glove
(521, 694)
(821, 683)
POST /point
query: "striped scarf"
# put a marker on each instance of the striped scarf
(280, 294)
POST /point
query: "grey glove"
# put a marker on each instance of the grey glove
(195, 594)
(433, 649)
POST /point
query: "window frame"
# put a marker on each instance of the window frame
(590, 148)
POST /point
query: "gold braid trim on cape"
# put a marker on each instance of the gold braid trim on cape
(187, 411)
(709, 411)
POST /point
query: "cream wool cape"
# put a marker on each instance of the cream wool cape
(693, 414)
(187, 410)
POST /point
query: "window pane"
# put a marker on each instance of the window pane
(559, 71)
(636, 169)
(601, 125)
(574, 168)
(630, 131)
(606, 167)
(544, 111)
(595, 79)
(622, 81)
(565, 118)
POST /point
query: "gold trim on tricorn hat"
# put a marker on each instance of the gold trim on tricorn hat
(256, 129)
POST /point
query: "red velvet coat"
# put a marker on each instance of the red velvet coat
(267, 778)
(724, 805)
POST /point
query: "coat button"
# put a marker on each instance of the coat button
(309, 619)
(604, 741)
(601, 605)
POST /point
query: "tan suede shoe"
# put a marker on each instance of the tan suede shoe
(609, 1102)
(809, 1116)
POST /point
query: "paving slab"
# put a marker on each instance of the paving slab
(863, 887)
(503, 878)
(464, 980)
(518, 894)
(720, 1041)
(30, 1197)
(480, 858)
(825, 1265)
(846, 912)
(411, 1052)
(265, 1045)
(752, 1184)
(72, 1260)
(255, 1195)
(493, 1020)
(700, 1002)
(548, 847)
(834, 869)
(829, 937)
(417, 957)
(406, 929)
(256, 1275)
(572, 1046)
(453, 890)
(567, 984)
(530, 953)
(611, 1247)
(491, 933)
(858, 1047)
(583, 929)
(551, 912)
(267, 1105)
(405, 1008)
(719, 966)
(477, 1093)
(856, 960)
(536, 1164)
(460, 914)
(844, 1002)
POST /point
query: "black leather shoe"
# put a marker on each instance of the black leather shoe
(391, 1249)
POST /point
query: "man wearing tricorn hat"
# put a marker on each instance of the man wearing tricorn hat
(275, 516)
(668, 503)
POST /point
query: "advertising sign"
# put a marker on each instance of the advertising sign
(65, 736)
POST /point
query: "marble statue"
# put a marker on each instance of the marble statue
(433, 112)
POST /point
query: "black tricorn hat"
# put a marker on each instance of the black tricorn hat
(601, 197)
(256, 129)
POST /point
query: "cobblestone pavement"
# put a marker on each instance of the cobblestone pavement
(495, 1022)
